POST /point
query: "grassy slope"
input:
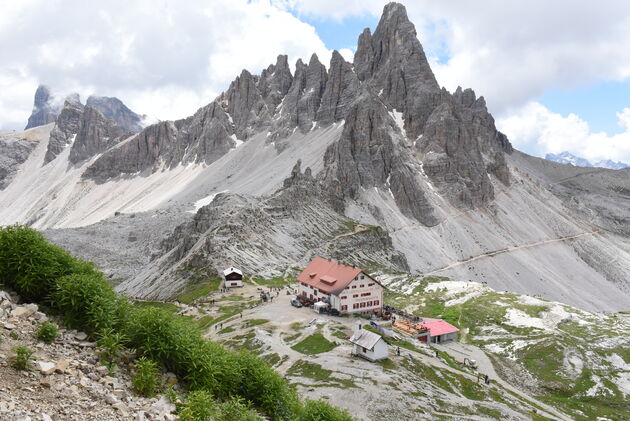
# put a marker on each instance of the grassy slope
(590, 340)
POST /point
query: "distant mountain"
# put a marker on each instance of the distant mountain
(568, 158)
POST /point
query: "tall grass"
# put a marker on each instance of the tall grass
(81, 295)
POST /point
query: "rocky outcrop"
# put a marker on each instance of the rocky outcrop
(455, 140)
(204, 137)
(400, 126)
(65, 379)
(66, 128)
(342, 88)
(264, 235)
(44, 111)
(114, 109)
(13, 152)
(95, 134)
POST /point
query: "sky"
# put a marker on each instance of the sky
(555, 75)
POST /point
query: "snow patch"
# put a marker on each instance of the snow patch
(518, 318)
(237, 142)
(204, 201)
(399, 120)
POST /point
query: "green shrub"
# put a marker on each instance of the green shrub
(198, 407)
(87, 302)
(47, 332)
(14, 335)
(267, 389)
(322, 411)
(172, 395)
(146, 381)
(236, 409)
(31, 266)
(110, 344)
(23, 358)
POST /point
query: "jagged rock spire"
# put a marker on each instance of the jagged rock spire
(43, 108)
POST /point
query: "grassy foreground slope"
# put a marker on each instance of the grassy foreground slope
(575, 360)
(78, 292)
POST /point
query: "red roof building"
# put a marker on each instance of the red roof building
(439, 330)
(345, 288)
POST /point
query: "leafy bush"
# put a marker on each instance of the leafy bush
(30, 265)
(198, 407)
(110, 345)
(87, 302)
(322, 411)
(236, 409)
(23, 358)
(146, 381)
(47, 332)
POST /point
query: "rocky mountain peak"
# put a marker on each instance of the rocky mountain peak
(114, 109)
(66, 126)
(43, 108)
(393, 57)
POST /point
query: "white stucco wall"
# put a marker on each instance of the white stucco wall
(359, 287)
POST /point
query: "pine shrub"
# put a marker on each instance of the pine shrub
(47, 332)
(146, 380)
(322, 411)
(23, 358)
(198, 407)
(110, 344)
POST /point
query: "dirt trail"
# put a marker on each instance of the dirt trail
(508, 250)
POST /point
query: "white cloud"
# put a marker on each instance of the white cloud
(161, 58)
(538, 130)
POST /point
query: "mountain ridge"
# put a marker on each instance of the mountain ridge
(383, 146)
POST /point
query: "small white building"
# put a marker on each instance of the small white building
(369, 345)
(346, 288)
(232, 278)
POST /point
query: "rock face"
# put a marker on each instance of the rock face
(66, 128)
(265, 236)
(114, 109)
(14, 151)
(204, 137)
(44, 111)
(95, 134)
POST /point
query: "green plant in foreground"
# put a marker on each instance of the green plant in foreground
(236, 409)
(110, 345)
(198, 407)
(14, 335)
(22, 358)
(321, 411)
(47, 332)
(146, 381)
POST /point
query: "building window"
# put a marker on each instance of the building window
(362, 285)
(344, 297)
(344, 307)
(355, 295)
(376, 302)
(314, 292)
(371, 284)
(354, 286)
(362, 277)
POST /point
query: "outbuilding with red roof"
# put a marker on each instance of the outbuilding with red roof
(439, 331)
(346, 288)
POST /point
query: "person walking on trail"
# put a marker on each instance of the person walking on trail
(437, 355)
(486, 379)
(477, 378)
(398, 351)
(241, 314)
